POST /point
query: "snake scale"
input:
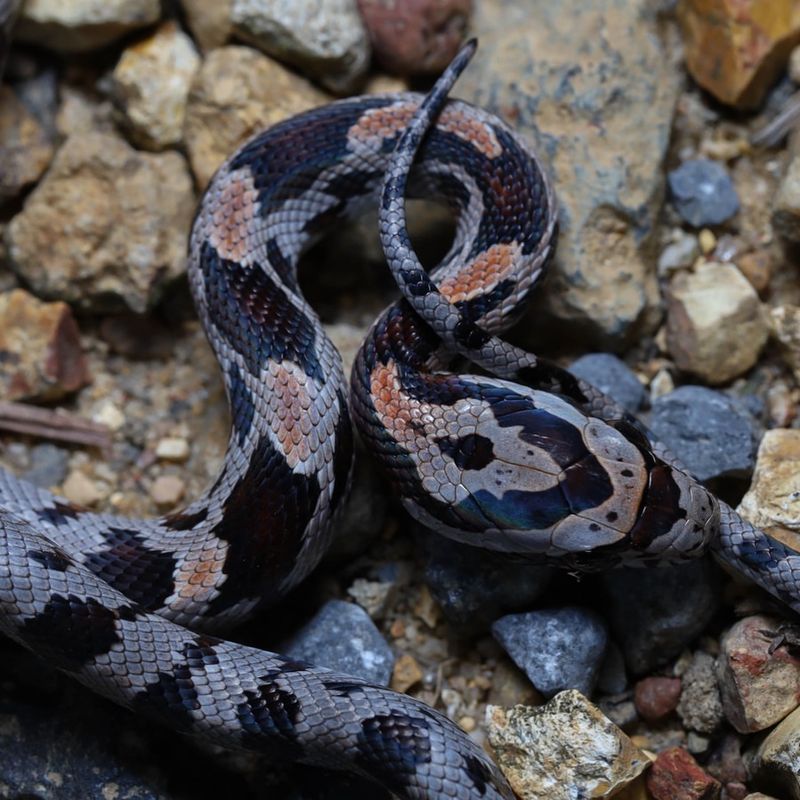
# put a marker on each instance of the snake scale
(519, 457)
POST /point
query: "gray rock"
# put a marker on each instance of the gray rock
(612, 376)
(325, 39)
(678, 254)
(342, 637)
(599, 109)
(59, 742)
(703, 193)
(700, 706)
(75, 26)
(712, 433)
(655, 613)
(558, 649)
(474, 587)
(48, 465)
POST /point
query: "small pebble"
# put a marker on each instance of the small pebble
(172, 448)
(675, 775)
(661, 384)
(467, 724)
(109, 415)
(407, 673)
(713, 433)
(426, 608)
(757, 268)
(707, 241)
(374, 597)
(557, 649)
(700, 707)
(697, 744)
(703, 193)
(716, 326)
(167, 490)
(679, 254)
(612, 376)
(80, 489)
(342, 637)
(657, 697)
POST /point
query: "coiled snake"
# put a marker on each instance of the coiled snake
(522, 458)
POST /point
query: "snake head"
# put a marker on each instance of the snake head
(524, 471)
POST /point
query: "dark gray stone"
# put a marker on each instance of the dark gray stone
(613, 377)
(612, 678)
(58, 742)
(48, 466)
(703, 193)
(713, 434)
(474, 587)
(558, 649)
(342, 637)
(654, 613)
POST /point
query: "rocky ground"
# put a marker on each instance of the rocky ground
(668, 128)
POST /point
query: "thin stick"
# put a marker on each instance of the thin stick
(57, 425)
(777, 128)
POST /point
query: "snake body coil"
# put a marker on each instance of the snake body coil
(529, 460)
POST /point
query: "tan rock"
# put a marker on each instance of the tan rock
(73, 26)
(324, 39)
(758, 688)
(773, 499)
(107, 227)
(40, 349)
(151, 85)
(81, 112)
(406, 673)
(80, 489)
(167, 490)
(785, 324)
(715, 325)
(416, 36)
(736, 49)
(25, 146)
(237, 93)
(599, 110)
(756, 266)
(209, 21)
(562, 750)
(777, 763)
(172, 448)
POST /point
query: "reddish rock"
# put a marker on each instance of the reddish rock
(656, 698)
(758, 688)
(416, 36)
(738, 48)
(40, 349)
(675, 775)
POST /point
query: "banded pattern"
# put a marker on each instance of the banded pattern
(526, 459)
